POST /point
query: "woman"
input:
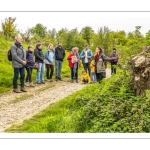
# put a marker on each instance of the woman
(29, 66)
(100, 67)
(74, 60)
(50, 59)
(39, 58)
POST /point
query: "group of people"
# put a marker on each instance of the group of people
(94, 65)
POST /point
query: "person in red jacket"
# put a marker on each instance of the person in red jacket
(74, 60)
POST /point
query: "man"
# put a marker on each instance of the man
(114, 62)
(18, 63)
(86, 55)
(59, 56)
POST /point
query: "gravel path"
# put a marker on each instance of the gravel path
(14, 112)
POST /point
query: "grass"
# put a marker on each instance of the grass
(109, 107)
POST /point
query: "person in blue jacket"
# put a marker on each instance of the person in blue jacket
(86, 55)
(50, 60)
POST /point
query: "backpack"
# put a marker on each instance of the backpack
(9, 55)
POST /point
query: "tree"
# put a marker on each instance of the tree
(8, 27)
(39, 30)
(87, 34)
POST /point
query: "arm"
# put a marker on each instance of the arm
(46, 56)
(81, 55)
(56, 53)
(91, 54)
(69, 57)
(107, 58)
(37, 55)
(14, 54)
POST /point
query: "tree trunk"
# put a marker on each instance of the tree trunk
(140, 71)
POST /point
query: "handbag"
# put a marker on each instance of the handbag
(36, 65)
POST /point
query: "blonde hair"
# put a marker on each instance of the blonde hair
(50, 45)
(76, 48)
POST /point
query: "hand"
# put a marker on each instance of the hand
(44, 61)
(114, 58)
(24, 63)
(52, 63)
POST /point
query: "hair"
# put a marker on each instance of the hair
(101, 50)
(59, 42)
(76, 48)
(30, 46)
(84, 71)
(93, 57)
(73, 49)
(49, 45)
(86, 45)
(38, 44)
(114, 48)
(16, 37)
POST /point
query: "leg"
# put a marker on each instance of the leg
(57, 68)
(89, 69)
(16, 74)
(52, 70)
(85, 67)
(30, 74)
(42, 70)
(39, 72)
(72, 72)
(47, 70)
(111, 68)
(27, 77)
(22, 75)
(60, 68)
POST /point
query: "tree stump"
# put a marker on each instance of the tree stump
(140, 72)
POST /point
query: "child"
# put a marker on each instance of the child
(29, 66)
(92, 66)
(85, 78)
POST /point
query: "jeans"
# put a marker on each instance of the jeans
(40, 73)
(93, 76)
(113, 68)
(49, 71)
(58, 68)
(29, 75)
(74, 75)
(87, 67)
(16, 74)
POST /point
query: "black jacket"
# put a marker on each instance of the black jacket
(39, 57)
(59, 53)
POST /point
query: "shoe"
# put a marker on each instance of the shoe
(72, 81)
(32, 85)
(77, 81)
(42, 82)
(56, 78)
(17, 91)
(38, 82)
(27, 84)
(50, 80)
(60, 79)
(23, 89)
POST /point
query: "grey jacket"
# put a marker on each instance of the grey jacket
(100, 64)
(18, 55)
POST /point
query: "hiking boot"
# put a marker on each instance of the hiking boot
(17, 91)
(32, 85)
(27, 84)
(23, 89)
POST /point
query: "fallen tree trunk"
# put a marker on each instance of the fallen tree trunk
(140, 72)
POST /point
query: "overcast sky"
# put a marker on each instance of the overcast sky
(113, 20)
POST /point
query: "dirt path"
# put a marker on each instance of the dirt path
(15, 108)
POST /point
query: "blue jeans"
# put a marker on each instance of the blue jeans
(58, 68)
(16, 74)
(40, 73)
(93, 76)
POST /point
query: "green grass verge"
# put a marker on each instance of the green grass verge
(109, 107)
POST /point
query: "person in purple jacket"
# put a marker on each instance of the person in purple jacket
(114, 62)
(29, 66)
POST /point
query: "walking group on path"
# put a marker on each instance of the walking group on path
(94, 65)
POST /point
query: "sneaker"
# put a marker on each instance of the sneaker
(60, 79)
(17, 91)
(23, 89)
(50, 80)
(42, 82)
(77, 81)
(32, 85)
(27, 84)
(38, 82)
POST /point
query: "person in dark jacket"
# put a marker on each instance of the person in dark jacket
(59, 56)
(29, 66)
(40, 59)
(18, 63)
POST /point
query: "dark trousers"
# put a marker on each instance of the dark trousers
(87, 67)
(18, 71)
(99, 76)
(49, 71)
(85, 81)
(29, 75)
(74, 75)
(113, 68)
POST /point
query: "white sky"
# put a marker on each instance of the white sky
(113, 20)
